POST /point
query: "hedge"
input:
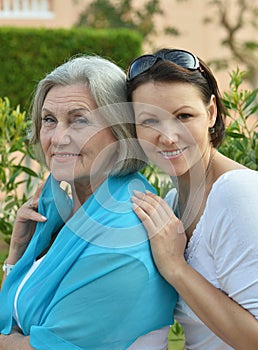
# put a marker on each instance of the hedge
(27, 54)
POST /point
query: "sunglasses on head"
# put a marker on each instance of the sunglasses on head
(182, 58)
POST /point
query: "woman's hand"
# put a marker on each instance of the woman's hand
(227, 319)
(165, 231)
(24, 227)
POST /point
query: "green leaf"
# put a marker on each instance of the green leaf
(252, 111)
(235, 135)
(29, 171)
(251, 99)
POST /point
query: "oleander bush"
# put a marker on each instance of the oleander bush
(16, 173)
(241, 138)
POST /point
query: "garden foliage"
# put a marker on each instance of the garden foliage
(241, 139)
(28, 54)
(16, 174)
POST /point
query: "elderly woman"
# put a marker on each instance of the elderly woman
(86, 279)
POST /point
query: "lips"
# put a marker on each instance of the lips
(174, 153)
(64, 155)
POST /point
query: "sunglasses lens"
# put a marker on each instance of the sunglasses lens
(140, 65)
(183, 58)
(180, 57)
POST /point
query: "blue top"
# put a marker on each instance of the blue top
(97, 287)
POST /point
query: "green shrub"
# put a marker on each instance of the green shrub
(240, 143)
(16, 174)
(159, 180)
(27, 54)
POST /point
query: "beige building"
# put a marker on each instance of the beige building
(187, 16)
(39, 13)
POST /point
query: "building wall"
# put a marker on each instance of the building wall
(61, 13)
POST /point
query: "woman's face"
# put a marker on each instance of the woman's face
(172, 125)
(74, 137)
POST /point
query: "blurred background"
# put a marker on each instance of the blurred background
(222, 32)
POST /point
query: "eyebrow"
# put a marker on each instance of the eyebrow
(145, 112)
(69, 112)
(46, 110)
(79, 110)
(181, 107)
(154, 114)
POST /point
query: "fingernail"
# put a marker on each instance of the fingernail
(43, 217)
(138, 193)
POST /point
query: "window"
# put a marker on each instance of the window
(26, 9)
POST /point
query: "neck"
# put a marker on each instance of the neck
(193, 189)
(196, 177)
(81, 191)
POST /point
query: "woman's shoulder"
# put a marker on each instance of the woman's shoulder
(237, 180)
(126, 185)
(234, 196)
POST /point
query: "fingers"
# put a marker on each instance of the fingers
(152, 203)
(34, 201)
(35, 216)
(29, 210)
(145, 218)
(154, 212)
(148, 210)
(31, 205)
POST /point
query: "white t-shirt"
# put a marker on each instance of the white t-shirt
(224, 249)
(26, 277)
(156, 340)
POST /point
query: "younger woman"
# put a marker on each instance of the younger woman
(204, 237)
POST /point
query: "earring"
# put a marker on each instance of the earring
(212, 130)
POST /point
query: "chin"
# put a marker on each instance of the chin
(62, 176)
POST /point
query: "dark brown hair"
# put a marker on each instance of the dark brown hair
(203, 79)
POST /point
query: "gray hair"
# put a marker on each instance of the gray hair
(107, 84)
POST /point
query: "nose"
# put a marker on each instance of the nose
(61, 136)
(168, 134)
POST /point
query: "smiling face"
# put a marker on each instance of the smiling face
(172, 124)
(74, 137)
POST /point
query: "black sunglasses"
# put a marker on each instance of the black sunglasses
(182, 58)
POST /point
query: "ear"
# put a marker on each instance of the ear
(212, 111)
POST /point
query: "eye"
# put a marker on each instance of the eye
(48, 120)
(81, 120)
(184, 116)
(148, 121)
